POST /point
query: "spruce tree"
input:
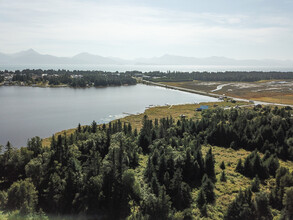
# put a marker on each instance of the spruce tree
(208, 189)
(210, 165)
(239, 167)
(223, 177)
(94, 127)
(222, 165)
(255, 184)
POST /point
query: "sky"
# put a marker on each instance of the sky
(239, 29)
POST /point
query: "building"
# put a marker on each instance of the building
(202, 107)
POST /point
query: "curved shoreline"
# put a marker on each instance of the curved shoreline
(213, 94)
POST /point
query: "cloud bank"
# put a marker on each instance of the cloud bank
(132, 30)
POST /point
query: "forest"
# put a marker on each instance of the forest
(97, 172)
(70, 78)
(78, 78)
(228, 76)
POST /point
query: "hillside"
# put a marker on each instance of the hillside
(32, 57)
(175, 167)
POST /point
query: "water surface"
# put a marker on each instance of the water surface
(146, 68)
(26, 112)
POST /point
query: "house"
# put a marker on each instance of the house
(76, 76)
(202, 107)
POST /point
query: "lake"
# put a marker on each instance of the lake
(26, 112)
(145, 68)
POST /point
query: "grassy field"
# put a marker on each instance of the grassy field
(274, 91)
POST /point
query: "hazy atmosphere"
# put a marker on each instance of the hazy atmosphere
(249, 29)
(146, 109)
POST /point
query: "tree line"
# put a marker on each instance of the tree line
(241, 76)
(71, 78)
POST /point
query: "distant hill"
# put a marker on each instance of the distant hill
(181, 60)
(93, 59)
(32, 57)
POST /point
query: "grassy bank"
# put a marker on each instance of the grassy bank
(273, 91)
(160, 112)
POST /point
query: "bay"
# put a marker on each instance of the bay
(26, 112)
(145, 68)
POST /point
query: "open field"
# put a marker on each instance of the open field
(274, 91)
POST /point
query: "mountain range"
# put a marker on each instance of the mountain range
(30, 56)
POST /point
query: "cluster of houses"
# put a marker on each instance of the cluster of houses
(7, 78)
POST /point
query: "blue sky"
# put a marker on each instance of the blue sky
(246, 29)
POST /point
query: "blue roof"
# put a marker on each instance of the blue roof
(204, 106)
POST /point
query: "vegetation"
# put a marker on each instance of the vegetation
(100, 78)
(166, 170)
(70, 78)
(217, 76)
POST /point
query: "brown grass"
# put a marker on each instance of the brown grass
(255, 91)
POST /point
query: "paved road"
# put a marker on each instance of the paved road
(212, 94)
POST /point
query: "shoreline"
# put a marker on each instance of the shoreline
(66, 86)
(212, 94)
(175, 111)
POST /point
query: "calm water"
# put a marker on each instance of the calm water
(147, 68)
(29, 111)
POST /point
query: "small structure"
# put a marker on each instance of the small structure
(202, 107)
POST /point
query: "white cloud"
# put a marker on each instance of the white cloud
(66, 27)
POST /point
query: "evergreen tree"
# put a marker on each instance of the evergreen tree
(201, 199)
(210, 165)
(263, 209)
(241, 208)
(255, 184)
(287, 212)
(94, 127)
(222, 165)
(155, 186)
(223, 177)
(8, 146)
(208, 189)
(79, 128)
